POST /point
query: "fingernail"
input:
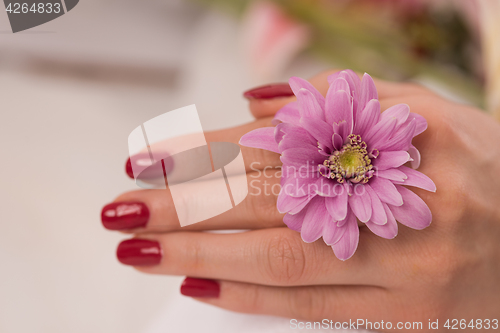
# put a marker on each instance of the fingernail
(128, 169)
(139, 252)
(124, 215)
(269, 91)
(205, 288)
(143, 168)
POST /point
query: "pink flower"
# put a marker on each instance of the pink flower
(343, 162)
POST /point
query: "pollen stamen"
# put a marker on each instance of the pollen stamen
(352, 162)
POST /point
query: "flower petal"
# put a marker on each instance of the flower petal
(262, 138)
(320, 130)
(301, 156)
(380, 133)
(294, 222)
(367, 118)
(296, 83)
(415, 155)
(400, 112)
(414, 213)
(367, 93)
(340, 84)
(300, 186)
(392, 174)
(338, 142)
(390, 159)
(292, 205)
(417, 179)
(420, 121)
(386, 191)
(288, 114)
(314, 221)
(337, 205)
(308, 105)
(338, 107)
(378, 213)
(388, 230)
(360, 203)
(347, 245)
(332, 233)
(401, 139)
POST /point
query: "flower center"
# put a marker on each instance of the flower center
(352, 162)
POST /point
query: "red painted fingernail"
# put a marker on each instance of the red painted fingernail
(128, 169)
(139, 252)
(124, 215)
(205, 288)
(144, 169)
(269, 91)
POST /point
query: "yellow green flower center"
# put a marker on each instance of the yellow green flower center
(352, 162)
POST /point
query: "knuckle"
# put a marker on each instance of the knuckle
(445, 267)
(285, 259)
(308, 303)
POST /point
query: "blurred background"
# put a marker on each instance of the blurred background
(72, 89)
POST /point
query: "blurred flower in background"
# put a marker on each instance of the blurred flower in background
(451, 42)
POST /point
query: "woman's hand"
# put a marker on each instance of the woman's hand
(451, 270)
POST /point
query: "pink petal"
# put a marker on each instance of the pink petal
(420, 121)
(417, 179)
(378, 213)
(314, 221)
(380, 133)
(308, 105)
(338, 142)
(337, 206)
(340, 84)
(302, 156)
(414, 213)
(388, 230)
(401, 139)
(332, 233)
(300, 186)
(290, 142)
(390, 159)
(292, 205)
(392, 174)
(400, 112)
(386, 191)
(360, 203)
(288, 114)
(296, 83)
(294, 222)
(342, 129)
(262, 138)
(349, 75)
(294, 131)
(347, 245)
(338, 107)
(367, 93)
(320, 130)
(327, 189)
(367, 118)
(415, 155)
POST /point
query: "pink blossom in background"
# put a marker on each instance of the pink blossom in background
(271, 39)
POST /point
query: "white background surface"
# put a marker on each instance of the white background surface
(70, 93)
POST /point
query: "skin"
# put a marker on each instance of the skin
(448, 270)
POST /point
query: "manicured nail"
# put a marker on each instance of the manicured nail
(205, 288)
(269, 91)
(139, 252)
(124, 215)
(144, 169)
